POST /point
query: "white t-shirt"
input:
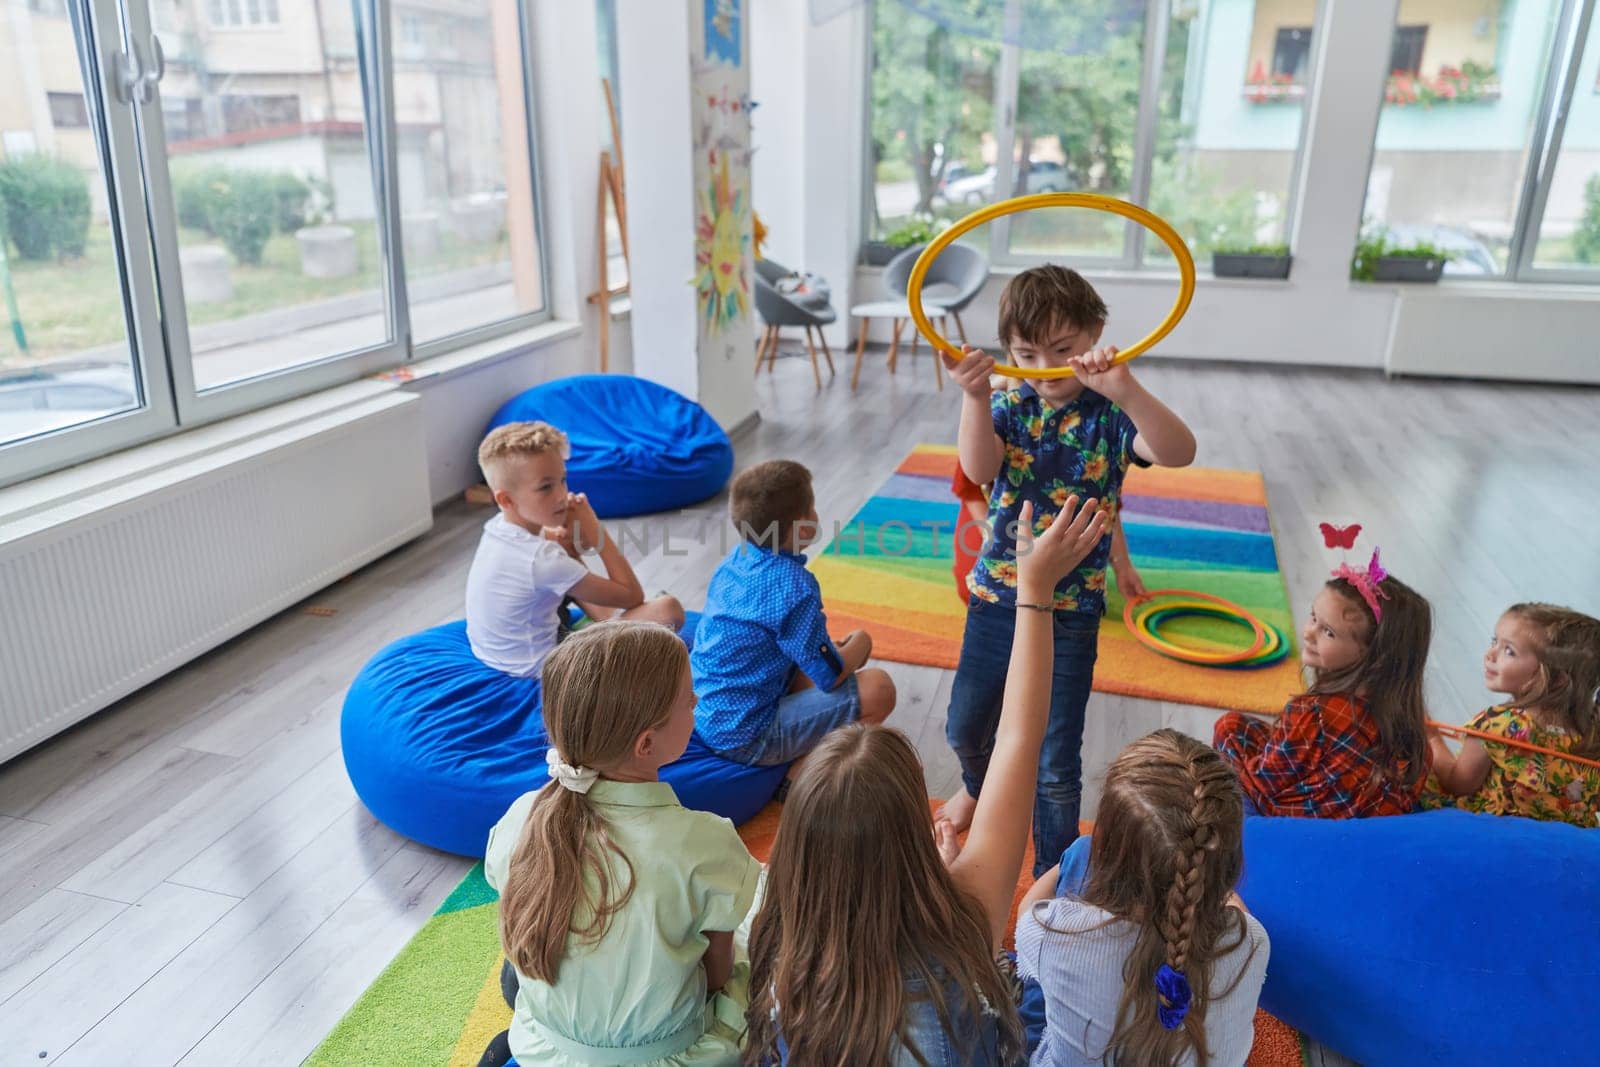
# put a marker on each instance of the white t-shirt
(1080, 971)
(513, 592)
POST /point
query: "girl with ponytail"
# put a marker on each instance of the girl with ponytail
(618, 906)
(1146, 957)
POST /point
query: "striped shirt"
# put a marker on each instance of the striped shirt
(1077, 956)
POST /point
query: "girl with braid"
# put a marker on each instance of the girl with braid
(1142, 951)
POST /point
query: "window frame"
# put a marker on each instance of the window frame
(97, 40)
(1572, 33)
(105, 32)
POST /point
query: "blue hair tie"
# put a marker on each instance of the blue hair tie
(1174, 993)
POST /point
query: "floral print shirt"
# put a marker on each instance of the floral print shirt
(1083, 447)
(1526, 783)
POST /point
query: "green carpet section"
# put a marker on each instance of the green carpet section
(413, 1015)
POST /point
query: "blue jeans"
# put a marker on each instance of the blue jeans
(800, 723)
(975, 714)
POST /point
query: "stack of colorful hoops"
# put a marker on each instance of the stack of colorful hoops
(1146, 615)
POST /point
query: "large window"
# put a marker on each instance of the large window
(466, 184)
(1488, 137)
(1191, 106)
(218, 220)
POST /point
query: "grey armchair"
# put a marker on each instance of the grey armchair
(777, 311)
(955, 279)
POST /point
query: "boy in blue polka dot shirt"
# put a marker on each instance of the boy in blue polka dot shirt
(770, 681)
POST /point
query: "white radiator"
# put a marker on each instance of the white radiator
(107, 591)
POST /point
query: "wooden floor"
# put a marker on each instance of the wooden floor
(188, 877)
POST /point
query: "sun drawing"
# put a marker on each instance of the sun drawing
(721, 238)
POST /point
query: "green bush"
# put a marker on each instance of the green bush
(46, 206)
(293, 196)
(194, 191)
(1200, 205)
(1586, 238)
(242, 210)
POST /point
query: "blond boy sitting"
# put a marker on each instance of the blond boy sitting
(530, 558)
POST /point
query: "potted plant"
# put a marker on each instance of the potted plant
(1251, 261)
(915, 231)
(1378, 259)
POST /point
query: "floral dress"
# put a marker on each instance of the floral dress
(1526, 783)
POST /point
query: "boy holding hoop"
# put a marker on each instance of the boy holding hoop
(1044, 440)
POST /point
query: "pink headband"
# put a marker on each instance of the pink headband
(1368, 584)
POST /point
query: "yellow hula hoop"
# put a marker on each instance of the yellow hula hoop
(1152, 222)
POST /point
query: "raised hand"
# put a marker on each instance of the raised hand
(1044, 560)
(971, 374)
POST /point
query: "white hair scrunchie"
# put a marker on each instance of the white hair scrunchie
(577, 779)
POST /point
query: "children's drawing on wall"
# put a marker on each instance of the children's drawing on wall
(722, 239)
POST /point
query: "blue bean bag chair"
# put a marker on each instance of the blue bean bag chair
(1438, 938)
(637, 447)
(439, 745)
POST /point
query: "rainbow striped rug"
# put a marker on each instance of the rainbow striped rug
(1191, 528)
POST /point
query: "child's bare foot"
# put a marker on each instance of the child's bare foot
(958, 810)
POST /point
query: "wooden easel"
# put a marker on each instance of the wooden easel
(611, 185)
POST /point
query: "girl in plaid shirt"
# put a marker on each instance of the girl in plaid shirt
(1353, 744)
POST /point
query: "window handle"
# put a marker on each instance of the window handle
(135, 82)
(158, 65)
(129, 76)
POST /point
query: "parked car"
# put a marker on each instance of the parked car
(1469, 255)
(36, 400)
(956, 171)
(1044, 176)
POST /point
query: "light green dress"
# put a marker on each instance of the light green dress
(638, 996)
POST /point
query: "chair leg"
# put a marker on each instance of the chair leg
(772, 350)
(938, 374)
(861, 348)
(826, 351)
(761, 346)
(894, 343)
(916, 336)
(960, 327)
(816, 371)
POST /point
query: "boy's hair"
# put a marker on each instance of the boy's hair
(603, 687)
(515, 441)
(858, 903)
(1568, 651)
(769, 498)
(1166, 853)
(1389, 673)
(1041, 299)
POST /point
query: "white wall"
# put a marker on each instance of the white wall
(653, 61)
(1316, 317)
